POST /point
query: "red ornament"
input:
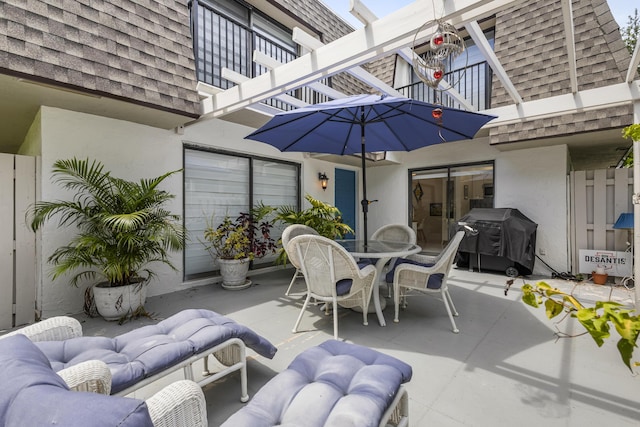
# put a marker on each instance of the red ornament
(437, 74)
(437, 113)
(437, 39)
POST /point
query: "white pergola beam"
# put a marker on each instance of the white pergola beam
(361, 12)
(483, 45)
(587, 100)
(238, 78)
(311, 43)
(570, 40)
(380, 38)
(205, 89)
(271, 64)
(633, 65)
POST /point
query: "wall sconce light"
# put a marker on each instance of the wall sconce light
(323, 180)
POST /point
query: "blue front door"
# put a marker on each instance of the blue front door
(345, 196)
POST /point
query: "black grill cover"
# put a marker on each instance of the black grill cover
(502, 232)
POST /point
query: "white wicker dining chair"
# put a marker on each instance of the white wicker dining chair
(289, 233)
(332, 275)
(425, 275)
(394, 233)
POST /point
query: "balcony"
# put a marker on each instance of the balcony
(472, 82)
(220, 41)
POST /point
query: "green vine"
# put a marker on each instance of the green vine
(597, 320)
(632, 132)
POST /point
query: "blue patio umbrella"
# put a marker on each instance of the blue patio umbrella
(368, 123)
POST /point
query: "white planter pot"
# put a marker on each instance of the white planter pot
(116, 303)
(234, 273)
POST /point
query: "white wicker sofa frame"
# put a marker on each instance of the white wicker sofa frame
(34, 395)
(230, 355)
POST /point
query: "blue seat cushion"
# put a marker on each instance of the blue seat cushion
(344, 286)
(333, 384)
(145, 351)
(434, 282)
(34, 395)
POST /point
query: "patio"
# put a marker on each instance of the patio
(503, 368)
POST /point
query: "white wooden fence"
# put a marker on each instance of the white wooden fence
(17, 241)
(597, 200)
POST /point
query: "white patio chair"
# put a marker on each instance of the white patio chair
(394, 233)
(424, 275)
(289, 233)
(332, 276)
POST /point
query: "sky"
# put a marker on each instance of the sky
(621, 9)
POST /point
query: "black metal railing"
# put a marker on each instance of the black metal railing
(472, 82)
(222, 42)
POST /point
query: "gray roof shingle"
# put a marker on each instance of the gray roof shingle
(108, 46)
(537, 64)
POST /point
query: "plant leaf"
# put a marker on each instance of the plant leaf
(553, 308)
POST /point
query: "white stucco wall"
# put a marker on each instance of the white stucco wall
(535, 182)
(32, 144)
(129, 151)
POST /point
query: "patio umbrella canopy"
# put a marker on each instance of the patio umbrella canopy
(368, 123)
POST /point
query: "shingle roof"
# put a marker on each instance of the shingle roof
(139, 50)
(530, 44)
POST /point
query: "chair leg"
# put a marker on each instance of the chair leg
(396, 301)
(453, 307)
(365, 310)
(446, 298)
(304, 307)
(335, 319)
(293, 280)
(390, 265)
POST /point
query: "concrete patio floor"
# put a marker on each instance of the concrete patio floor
(504, 368)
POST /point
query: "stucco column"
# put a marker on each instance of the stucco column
(636, 207)
(636, 221)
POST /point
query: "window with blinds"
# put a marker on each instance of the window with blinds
(220, 183)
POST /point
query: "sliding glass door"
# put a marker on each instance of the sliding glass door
(440, 196)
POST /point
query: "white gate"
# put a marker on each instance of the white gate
(597, 200)
(17, 241)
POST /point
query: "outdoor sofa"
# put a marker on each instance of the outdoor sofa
(146, 354)
(33, 394)
(332, 384)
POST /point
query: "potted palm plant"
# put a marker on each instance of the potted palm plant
(123, 227)
(322, 217)
(234, 243)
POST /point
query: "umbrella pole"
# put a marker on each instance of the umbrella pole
(364, 202)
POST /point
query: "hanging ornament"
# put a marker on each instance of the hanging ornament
(437, 114)
(436, 55)
(430, 69)
(442, 48)
(446, 42)
(436, 40)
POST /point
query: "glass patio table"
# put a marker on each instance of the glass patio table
(382, 251)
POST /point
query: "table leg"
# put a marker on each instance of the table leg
(376, 290)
